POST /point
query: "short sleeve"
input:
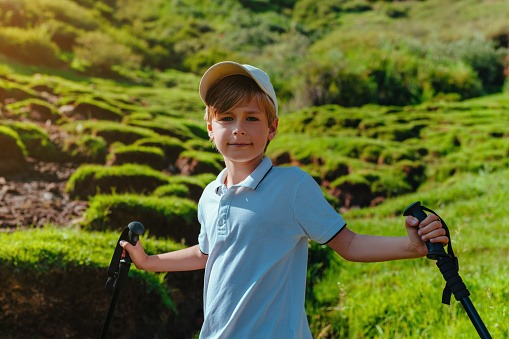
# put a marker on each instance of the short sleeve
(314, 213)
(203, 240)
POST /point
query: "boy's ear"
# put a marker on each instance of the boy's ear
(273, 129)
(209, 129)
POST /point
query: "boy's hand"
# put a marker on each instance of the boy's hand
(429, 229)
(137, 253)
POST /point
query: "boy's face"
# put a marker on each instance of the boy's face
(242, 133)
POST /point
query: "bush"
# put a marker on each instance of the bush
(171, 217)
(190, 187)
(172, 127)
(193, 162)
(480, 54)
(335, 82)
(63, 35)
(396, 13)
(172, 147)
(34, 109)
(316, 14)
(395, 72)
(31, 46)
(94, 109)
(172, 190)
(12, 90)
(110, 131)
(89, 180)
(143, 155)
(67, 263)
(98, 52)
(85, 148)
(352, 190)
(36, 141)
(12, 152)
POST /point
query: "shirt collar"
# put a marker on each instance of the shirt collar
(253, 180)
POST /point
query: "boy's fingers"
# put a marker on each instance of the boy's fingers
(436, 233)
(124, 243)
(430, 229)
(428, 220)
(411, 221)
(441, 239)
(127, 245)
(435, 225)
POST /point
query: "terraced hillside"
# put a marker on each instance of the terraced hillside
(383, 102)
(88, 157)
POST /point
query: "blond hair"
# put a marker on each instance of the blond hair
(233, 90)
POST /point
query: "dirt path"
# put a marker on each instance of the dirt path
(36, 196)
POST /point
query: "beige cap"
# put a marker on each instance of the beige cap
(223, 69)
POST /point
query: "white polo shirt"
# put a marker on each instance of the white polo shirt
(256, 236)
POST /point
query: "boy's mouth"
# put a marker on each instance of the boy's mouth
(238, 144)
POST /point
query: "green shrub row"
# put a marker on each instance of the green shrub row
(133, 154)
(110, 131)
(378, 64)
(36, 141)
(12, 152)
(169, 217)
(89, 180)
(369, 299)
(85, 148)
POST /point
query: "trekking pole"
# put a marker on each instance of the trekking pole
(119, 268)
(449, 267)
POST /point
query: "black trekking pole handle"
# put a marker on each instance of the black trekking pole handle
(435, 250)
(136, 229)
(119, 268)
(449, 267)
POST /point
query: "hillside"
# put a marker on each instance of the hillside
(347, 52)
(383, 103)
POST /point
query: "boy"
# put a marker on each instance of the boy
(256, 220)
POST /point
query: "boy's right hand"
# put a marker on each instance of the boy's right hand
(137, 253)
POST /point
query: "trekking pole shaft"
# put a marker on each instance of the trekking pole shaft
(475, 318)
(111, 309)
(119, 284)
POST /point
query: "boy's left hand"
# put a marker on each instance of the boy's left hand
(429, 229)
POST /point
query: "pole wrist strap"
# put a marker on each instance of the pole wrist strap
(115, 261)
(449, 267)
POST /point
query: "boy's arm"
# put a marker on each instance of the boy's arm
(371, 248)
(188, 259)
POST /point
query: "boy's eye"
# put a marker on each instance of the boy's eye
(252, 119)
(225, 119)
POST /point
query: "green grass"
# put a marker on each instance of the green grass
(23, 109)
(402, 299)
(43, 250)
(172, 217)
(110, 131)
(36, 141)
(86, 148)
(89, 180)
(185, 186)
(11, 138)
(208, 162)
(133, 154)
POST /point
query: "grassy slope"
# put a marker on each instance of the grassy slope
(376, 300)
(372, 300)
(388, 300)
(403, 299)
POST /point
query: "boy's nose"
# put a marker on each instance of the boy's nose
(239, 129)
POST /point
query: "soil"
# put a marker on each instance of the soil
(57, 304)
(73, 303)
(35, 197)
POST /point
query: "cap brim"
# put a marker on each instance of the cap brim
(219, 71)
